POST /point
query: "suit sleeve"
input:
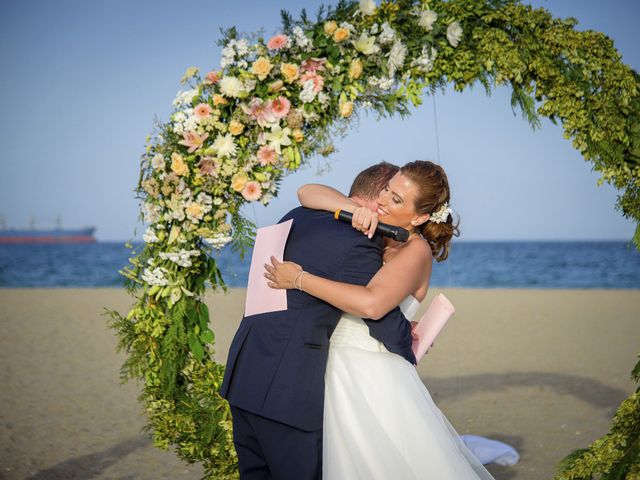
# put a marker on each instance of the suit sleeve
(360, 265)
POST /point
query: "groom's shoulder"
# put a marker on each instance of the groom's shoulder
(324, 225)
(307, 214)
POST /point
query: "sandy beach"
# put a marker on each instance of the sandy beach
(542, 370)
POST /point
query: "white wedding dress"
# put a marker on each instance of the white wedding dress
(379, 419)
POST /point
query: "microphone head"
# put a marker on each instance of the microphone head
(401, 235)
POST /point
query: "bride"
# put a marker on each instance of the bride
(379, 419)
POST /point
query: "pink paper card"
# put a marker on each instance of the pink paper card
(431, 323)
(260, 297)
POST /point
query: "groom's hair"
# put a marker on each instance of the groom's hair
(370, 182)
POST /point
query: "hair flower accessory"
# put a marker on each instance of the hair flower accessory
(441, 214)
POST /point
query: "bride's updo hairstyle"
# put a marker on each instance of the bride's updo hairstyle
(433, 192)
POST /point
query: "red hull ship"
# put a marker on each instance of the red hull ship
(80, 235)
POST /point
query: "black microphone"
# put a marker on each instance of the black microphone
(399, 234)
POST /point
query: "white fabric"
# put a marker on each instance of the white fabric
(379, 419)
(488, 450)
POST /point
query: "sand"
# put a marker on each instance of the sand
(540, 369)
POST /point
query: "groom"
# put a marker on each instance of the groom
(274, 378)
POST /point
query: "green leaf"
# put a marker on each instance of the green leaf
(203, 315)
(207, 336)
(196, 347)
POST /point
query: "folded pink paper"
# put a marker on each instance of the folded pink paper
(431, 323)
(261, 298)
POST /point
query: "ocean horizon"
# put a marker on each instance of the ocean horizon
(472, 264)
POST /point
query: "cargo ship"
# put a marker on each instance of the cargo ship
(55, 235)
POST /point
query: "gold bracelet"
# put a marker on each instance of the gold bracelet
(295, 280)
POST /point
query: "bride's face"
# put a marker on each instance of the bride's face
(396, 203)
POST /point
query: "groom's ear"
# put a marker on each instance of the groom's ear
(419, 220)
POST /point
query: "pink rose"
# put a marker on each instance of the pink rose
(212, 78)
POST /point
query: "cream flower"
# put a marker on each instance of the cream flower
(427, 19)
(355, 69)
(366, 44)
(278, 137)
(239, 181)
(289, 71)
(224, 145)
(298, 135)
(367, 7)
(330, 27)
(235, 128)
(397, 55)
(261, 67)
(230, 86)
(157, 162)
(178, 166)
(346, 109)
(454, 33)
(194, 212)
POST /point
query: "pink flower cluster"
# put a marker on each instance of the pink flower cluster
(268, 111)
(309, 71)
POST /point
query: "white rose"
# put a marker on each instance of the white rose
(454, 34)
(427, 19)
(367, 7)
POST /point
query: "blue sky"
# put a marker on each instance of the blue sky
(82, 81)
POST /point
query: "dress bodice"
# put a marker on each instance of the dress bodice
(352, 331)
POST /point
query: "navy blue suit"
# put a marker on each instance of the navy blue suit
(276, 364)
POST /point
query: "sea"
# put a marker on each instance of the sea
(521, 264)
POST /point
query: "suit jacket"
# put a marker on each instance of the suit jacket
(277, 360)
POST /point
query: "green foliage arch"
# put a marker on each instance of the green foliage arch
(278, 101)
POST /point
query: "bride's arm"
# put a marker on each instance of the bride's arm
(322, 197)
(397, 279)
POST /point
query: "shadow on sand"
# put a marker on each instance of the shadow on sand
(93, 464)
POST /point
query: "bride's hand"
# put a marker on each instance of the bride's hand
(365, 220)
(281, 274)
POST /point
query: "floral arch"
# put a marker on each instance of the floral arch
(274, 103)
